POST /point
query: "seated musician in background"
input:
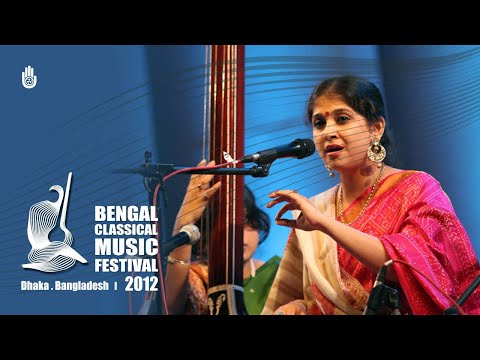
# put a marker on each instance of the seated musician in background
(187, 283)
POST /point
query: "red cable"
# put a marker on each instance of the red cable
(196, 168)
(431, 282)
(160, 270)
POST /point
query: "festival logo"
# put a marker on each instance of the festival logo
(46, 255)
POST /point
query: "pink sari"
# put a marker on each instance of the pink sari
(415, 221)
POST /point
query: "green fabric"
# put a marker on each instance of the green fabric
(256, 288)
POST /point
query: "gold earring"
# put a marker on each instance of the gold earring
(330, 172)
(376, 152)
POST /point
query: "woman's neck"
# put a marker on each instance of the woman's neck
(250, 267)
(355, 183)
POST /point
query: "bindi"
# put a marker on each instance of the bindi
(326, 114)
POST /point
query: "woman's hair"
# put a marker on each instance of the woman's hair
(360, 94)
(254, 216)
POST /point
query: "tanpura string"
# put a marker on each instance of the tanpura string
(232, 87)
(233, 148)
(204, 228)
(205, 101)
(225, 107)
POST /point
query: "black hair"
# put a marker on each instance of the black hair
(360, 94)
(254, 216)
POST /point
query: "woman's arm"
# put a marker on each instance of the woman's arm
(176, 279)
(367, 249)
(194, 203)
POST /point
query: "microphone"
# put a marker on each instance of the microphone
(298, 148)
(375, 300)
(188, 235)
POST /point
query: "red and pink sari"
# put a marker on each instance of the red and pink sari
(415, 221)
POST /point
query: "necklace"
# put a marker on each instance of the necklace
(374, 188)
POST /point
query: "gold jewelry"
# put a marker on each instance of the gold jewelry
(374, 188)
(172, 260)
(330, 172)
(376, 152)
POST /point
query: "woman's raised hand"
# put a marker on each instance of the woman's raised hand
(199, 192)
(310, 217)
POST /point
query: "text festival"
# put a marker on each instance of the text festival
(138, 252)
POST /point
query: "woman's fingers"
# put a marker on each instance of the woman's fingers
(284, 195)
(286, 222)
(194, 177)
(276, 201)
(287, 193)
(280, 311)
(202, 181)
(207, 194)
(205, 179)
(294, 201)
(290, 309)
(284, 209)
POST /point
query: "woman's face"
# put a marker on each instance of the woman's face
(250, 242)
(341, 135)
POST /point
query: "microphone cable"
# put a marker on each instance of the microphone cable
(460, 310)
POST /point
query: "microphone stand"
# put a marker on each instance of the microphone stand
(453, 310)
(159, 171)
(155, 305)
(154, 174)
